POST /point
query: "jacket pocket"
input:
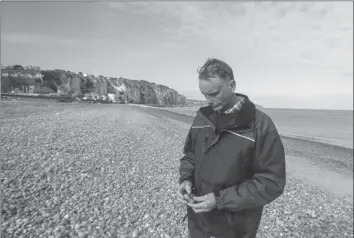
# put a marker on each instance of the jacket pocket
(216, 223)
(236, 222)
(228, 218)
(245, 221)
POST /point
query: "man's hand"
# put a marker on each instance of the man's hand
(184, 188)
(204, 203)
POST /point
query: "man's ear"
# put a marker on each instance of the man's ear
(232, 85)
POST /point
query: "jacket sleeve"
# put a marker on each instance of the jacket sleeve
(187, 162)
(269, 177)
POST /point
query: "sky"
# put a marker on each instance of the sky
(284, 55)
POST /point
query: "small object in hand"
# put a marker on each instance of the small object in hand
(189, 198)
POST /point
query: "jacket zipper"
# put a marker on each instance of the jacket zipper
(213, 142)
(200, 163)
(204, 150)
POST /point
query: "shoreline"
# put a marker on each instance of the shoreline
(332, 158)
(314, 140)
(190, 117)
(285, 135)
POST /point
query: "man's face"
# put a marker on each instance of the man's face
(218, 92)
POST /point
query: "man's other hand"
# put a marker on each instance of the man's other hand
(184, 188)
(204, 203)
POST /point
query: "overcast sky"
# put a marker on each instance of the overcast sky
(288, 55)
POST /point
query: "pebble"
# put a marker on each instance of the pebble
(56, 217)
(279, 222)
(135, 234)
(26, 221)
(312, 213)
(287, 212)
(38, 220)
(148, 158)
(82, 234)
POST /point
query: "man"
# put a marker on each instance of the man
(233, 163)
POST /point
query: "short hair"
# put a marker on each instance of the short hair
(215, 67)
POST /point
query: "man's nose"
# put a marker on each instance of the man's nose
(209, 102)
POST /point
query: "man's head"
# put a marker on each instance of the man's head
(216, 83)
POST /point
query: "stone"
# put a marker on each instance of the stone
(135, 234)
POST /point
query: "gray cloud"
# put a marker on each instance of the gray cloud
(286, 44)
(37, 39)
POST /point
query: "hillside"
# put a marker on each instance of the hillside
(35, 80)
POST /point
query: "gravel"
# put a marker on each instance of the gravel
(78, 170)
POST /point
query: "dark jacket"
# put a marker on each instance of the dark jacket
(241, 159)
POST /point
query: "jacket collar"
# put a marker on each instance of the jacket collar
(242, 118)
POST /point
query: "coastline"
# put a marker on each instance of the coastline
(283, 134)
(190, 114)
(314, 139)
(335, 158)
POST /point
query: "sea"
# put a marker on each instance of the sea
(329, 126)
